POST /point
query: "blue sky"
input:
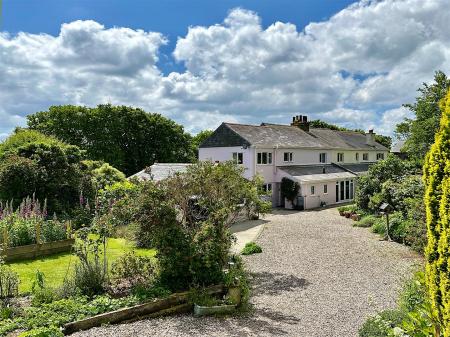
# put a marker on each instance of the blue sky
(205, 62)
(170, 17)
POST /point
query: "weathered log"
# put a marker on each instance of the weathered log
(156, 308)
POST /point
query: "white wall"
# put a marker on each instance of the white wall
(222, 154)
(312, 157)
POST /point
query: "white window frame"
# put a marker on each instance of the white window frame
(366, 156)
(339, 159)
(290, 157)
(325, 189)
(380, 156)
(267, 187)
(313, 190)
(357, 156)
(324, 157)
(260, 157)
(238, 158)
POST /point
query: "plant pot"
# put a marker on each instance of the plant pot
(214, 310)
(341, 213)
(234, 294)
(356, 217)
(347, 214)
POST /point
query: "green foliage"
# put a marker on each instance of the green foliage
(133, 272)
(238, 276)
(23, 137)
(392, 168)
(102, 174)
(251, 248)
(367, 221)
(187, 217)
(347, 208)
(43, 332)
(27, 224)
(90, 272)
(9, 282)
(437, 201)
(198, 139)
(58, 313)
(289, 189)
(125, 137)
(41, 293)
(48, 169)
(381, 325)
(419, 132)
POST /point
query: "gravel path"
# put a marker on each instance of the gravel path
(317, 276)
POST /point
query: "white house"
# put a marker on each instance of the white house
(324, 162)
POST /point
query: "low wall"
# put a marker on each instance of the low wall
(37, 250)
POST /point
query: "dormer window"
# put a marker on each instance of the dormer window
(357, 156)
(323, 157)
(288, 157)
(365, 156)
(340, 157)
(380, 156)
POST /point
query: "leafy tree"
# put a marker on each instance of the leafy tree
(125, 137)
(369, 185)
(198, 139)
(102, 174)
(419, 132)
(437, 202)
(23, 137)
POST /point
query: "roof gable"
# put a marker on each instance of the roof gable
(224, 136)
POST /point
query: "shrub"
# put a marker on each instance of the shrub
(367, 221)
(41, 294)
(131, 271)
(9, 282)
(90, 272)
(251, 248)
(437, 201)
(381, 325)
(289, 189)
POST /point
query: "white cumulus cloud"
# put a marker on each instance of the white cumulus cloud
(355, 69)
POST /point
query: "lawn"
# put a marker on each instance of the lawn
(55, 267)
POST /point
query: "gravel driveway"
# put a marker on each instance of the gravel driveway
(317, 276)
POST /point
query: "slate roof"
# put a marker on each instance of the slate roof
(286, 136)
(160, 171)
(357, 168)
(301, 170)
(397, 146)
(316, 173)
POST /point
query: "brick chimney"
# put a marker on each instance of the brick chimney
(301, 122)
(370, 138)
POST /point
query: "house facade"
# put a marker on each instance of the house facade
(324, 162)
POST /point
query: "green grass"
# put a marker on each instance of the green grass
(55, 267)
(251, 248)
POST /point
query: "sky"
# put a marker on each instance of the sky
(205, 62)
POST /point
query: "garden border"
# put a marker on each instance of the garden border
(175, 303)
(37, 250)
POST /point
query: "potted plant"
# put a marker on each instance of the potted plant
(206, 305)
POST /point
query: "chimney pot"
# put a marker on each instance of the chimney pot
(305, 119)
(293, 119)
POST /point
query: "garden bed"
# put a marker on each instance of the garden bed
(175, 303)
(37, 250)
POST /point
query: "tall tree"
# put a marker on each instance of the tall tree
(198, 139)
(437, 202)
(125, 137)
(419, 132)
